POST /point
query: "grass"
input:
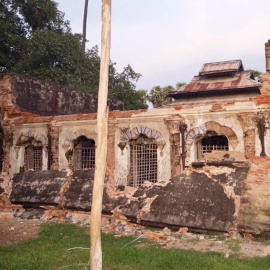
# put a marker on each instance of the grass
(48, 251)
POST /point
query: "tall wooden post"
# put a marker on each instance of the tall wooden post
(102, 132)
(84, 25)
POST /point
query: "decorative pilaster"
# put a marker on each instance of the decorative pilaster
(248, 122)
(53, 147)
(8, 143)
(173, 124)
(111, 157)
(261, 123)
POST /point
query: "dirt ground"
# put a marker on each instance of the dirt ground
(14, 230)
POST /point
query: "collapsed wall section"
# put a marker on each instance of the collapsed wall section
(197, 199)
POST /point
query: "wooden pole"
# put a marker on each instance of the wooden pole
(84, 25)
(102, 131)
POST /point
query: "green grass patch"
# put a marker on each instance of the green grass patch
(48, 251)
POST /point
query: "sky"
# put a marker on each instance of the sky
(168, 41)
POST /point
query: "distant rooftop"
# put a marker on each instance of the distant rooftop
(219, 78)
(221, 67)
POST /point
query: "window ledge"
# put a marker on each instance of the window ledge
(218, 163)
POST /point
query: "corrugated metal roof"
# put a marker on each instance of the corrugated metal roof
(239, 80)
(225, 77)
(221, 67)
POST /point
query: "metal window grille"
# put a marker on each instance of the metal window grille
(85, 155)
(209, 148)
(33, 158)
(88, 157)
(212, 142)
(143, 163)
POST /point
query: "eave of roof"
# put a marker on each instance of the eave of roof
(212, 92)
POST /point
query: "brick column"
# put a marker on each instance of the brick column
(53, 147)
(249, 124)
(8, 143)
(173, 126)
(111, 157)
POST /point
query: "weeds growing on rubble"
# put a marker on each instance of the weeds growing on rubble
(49, 251)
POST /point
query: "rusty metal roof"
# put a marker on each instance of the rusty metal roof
(221, 67)
(219, 78)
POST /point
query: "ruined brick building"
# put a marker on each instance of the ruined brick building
(201, 161)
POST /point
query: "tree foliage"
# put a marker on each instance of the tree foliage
(37, 41)
(257, 75)
(158, 95)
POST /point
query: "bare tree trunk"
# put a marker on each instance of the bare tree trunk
(84, 25)
(102, 132)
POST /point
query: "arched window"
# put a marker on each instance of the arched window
(33, 158)
(84, 154)
(210, 142)
(143, 160)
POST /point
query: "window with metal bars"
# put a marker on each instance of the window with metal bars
(85, 154)
(143, 161)
(212, 141)
(33, 158)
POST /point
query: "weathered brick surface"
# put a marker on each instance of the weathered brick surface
(194, 200)
(37, 188)
(2, 190)
(255, 200)
(78, 195)
(5, 189)
(54, 146)
(31, 95)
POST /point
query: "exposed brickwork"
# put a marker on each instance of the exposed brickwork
(5, 190)
(8, 143)
(173, 126)
(111, 159)
(250, 143)
(255, 199)
(54, 135)
(248, 122)
(264, 98)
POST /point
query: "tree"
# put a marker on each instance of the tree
(44, 47)
(258, 76)
(143, 96)
(41, 14)
(122, 86)
(158, 95)
(13, 35)
(180, 84)
(19, 19)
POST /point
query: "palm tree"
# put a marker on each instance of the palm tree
(143, 95)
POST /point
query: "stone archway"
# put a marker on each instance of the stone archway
(137, 131)
(69, 141)
(200, 131)
(32, 134)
